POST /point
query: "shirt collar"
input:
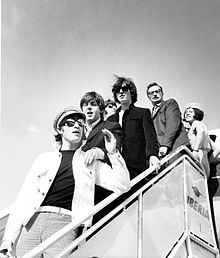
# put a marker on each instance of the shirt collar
(158, 104)
(90, 127)
(130, 107)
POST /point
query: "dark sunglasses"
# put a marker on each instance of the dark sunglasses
(123, 88)
(71, 123)
(110, 106)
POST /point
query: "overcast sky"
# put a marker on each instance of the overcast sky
(53, 51)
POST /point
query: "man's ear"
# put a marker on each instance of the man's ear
(60, 130)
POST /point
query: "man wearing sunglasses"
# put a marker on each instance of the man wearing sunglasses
(59, 188)
(167, 120)
(110, 108)
(140, 146)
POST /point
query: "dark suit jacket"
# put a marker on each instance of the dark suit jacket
(96, 137)
(169, 127)
(139, 137)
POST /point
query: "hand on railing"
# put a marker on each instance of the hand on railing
(154, 161)
(162, 152)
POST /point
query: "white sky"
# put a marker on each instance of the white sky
(53, 51)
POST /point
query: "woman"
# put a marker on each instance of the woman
(198, 135)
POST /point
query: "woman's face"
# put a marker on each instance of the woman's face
(189, 115)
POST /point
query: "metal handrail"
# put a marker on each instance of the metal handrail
(6, 211)
(139, 194)
(77, 222)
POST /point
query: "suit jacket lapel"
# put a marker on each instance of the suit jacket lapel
(158, 108)
(95, 130)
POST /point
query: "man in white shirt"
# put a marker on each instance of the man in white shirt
(59, 188)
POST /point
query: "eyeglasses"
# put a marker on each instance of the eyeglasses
(150, 93)
(123, 88)
(71, 123)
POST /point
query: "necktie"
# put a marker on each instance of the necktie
(155, 108)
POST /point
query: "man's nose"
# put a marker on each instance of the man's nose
(76, 124)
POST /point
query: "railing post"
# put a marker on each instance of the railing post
(140, 227)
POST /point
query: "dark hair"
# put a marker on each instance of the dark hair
(92, 95)
(110, 101)
(154, 84)
(122, 81)
(199, 114)
(58, 137)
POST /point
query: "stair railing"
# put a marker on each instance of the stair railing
(77, 222)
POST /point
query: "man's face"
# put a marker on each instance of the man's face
(91, 111)
(155, 94)
(72, 129)
(110, 109)
(123, 95)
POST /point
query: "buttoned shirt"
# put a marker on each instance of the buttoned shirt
(155, 108)
(42, 174)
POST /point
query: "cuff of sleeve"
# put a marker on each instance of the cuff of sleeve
(100, 153)
(114, 153)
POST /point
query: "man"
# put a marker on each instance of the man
(167, 120)
(110, 108)
(60, 187)
(92, 105)
(140, 146)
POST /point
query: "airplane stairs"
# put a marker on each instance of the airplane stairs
(169, 216)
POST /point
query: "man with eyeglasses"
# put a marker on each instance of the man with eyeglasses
(59, 188)
(140, 146)
(167, 120)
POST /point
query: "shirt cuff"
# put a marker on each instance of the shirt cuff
(100, 153)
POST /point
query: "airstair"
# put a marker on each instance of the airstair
(169, 216)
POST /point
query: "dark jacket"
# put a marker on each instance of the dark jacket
(169, 127)
(139, 137)
(96, 137)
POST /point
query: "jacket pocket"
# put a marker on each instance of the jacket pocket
(88, 172)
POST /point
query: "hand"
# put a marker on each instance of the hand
(154, 162)
(110, 141)
(196, 154)
(92, 154)
(6, 249)
(162, 151)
